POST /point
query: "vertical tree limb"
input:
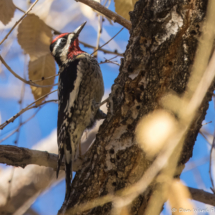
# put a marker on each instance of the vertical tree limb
(158, 59)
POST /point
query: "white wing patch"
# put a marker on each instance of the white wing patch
(67, 154)
(73, 95)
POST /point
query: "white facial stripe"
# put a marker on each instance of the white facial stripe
(65, 50)
(56, 45)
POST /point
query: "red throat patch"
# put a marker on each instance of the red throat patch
(74, 49)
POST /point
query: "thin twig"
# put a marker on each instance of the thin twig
(108, 40)
(24, 110)
(206, 123)
(100, 49)
(21, 79)
(109, 61)
(42, 79)
(14, 131)
(108, 13)
(45, 102)
(19, 21)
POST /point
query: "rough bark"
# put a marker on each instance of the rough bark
(158, 59)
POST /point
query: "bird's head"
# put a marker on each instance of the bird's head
(65, 46)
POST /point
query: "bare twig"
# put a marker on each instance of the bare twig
(109, 61)
(42, 79)
(195, 164)
(206, 123)
(100, 49)
(19, 21)
(14, 131)
(25, 109)
(45, 102)
(20, 78)
(108, 13)
(108, 41)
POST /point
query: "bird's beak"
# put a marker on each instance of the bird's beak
(77, 32)
(79, 29)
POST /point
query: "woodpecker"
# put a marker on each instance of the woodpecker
(80, 90)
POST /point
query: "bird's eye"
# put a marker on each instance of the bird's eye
(63, 40)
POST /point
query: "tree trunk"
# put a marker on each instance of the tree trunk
(158, 59)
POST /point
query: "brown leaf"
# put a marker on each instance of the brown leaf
(42, 67)
(34, 36)
(179, 199)
(122, 7)
(7, 9)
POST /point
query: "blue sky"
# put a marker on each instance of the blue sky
(45, 120)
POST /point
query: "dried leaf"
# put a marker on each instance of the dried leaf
(39, 68)
(7, 9)
(34, 36)
(179, 199)
(122, 7)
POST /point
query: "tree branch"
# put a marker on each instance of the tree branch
(108, 13)
(21, 157)
(202, 196)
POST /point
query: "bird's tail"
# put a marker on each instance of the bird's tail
(60, 157)
(68, 171)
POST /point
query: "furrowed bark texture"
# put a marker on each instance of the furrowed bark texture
(160, 52)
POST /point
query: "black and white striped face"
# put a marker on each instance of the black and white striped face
(62, 45)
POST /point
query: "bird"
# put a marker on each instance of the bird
(80, 90)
